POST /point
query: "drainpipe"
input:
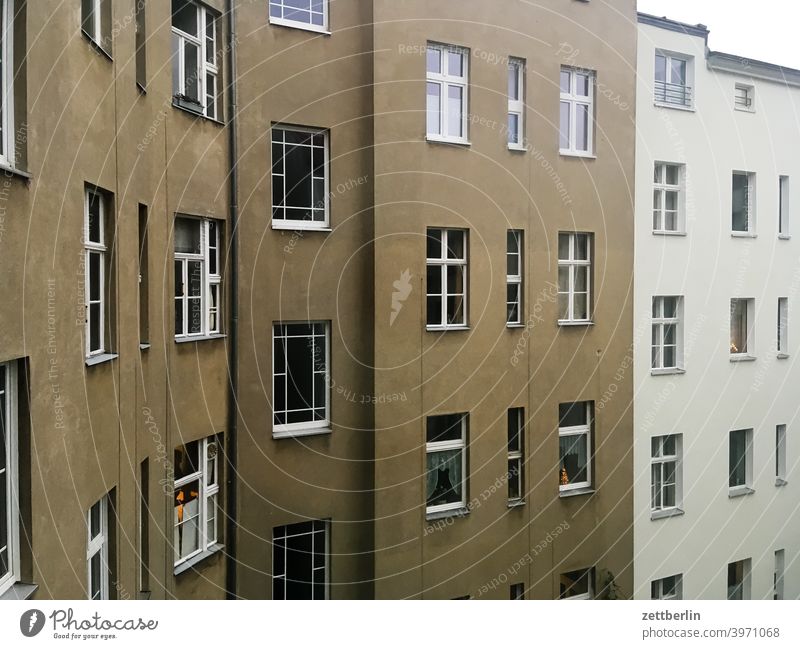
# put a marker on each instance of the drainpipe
(233, 325)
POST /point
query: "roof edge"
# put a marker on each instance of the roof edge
(673, 25)
(725, 62)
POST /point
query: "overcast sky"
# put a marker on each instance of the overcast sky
(765, 29)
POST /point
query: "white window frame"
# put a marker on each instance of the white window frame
(659, 327)
(98, 545)
(573, 99)
(211, 283)
(745, 583)
(99, 248)
(443, 262)
(208, 491)
(662, 188)
(659, 459)
(516, 105)
(323, 203)
(516, 419)
(779, 575)
(750, 311)
(445, 81)
(8, 139)
(8, 401)
(448, 445)
(751, 204)
(310, 427)
(205, 67)
(515, 280)
(589, 594)
(784, 206)
(782, 342)
(780, 455)
(573, 431)
(744, 97)
(661, 89)
(747, 487)
(324, 28)
(327, 554)
(573, 264)
(658, 590)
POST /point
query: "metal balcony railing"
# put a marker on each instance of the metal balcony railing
(673, 93)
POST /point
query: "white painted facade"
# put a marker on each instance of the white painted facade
(713, 393)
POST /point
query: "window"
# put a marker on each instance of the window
(780, 455)
(743, 97)
(144, 526)
(300, 178)
(97, 555)
(446, 278)
(516, 441)
(514, 277)
(667, 352)
(742, 317)
(577, 112)
(516, 591)
(671, 80)
(739, 579)
(575, 445)
(194, 58)
(300, 379)
(447, 462)
(783, 206)
(740, 462)
(516, 104)
(778, 574)
(196, 491)
(300, 560)
(96, 22)
(578, 584)
(305, 14)
(447, 74)
(574, 277)
(783, 326)
(667, 198)
(141, 43)
(144, 285)
(667, 588)
(743, 201)
(665, 473)
(9, 481)
(198, 284)
(97, 269)
(7, 75)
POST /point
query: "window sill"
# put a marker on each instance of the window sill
(518, 148)
(736, 492)
(308, 432)
(456, 512)
(198, 558)
(742, 358)
(784, 237)
(443, 140)
(96, 46)
(683, 107)
(780, 482)
(9, 170)
(447, 327)
(282, 22)
(578, 491)
(100, 359)
(143, 347)
(515, 325)
(577, 154)
(514, 504)
(666, 513)
(752, 111)
(576, 323)
(782, 357)
(194, 109)
(18, 591)
(667, 371)
(744, 235)
(197, 339)
(669, 233)
(300, 227)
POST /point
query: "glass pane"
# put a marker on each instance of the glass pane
(572, 414)
(455, 96)
(95, 343)
(300, 356)
(184, 16)
(678, 71)
(582, 85)
(210, 38)
(455, 244)
(661, 68)
(514, 480)
(455, 280)
(191, 71)
(195, 269)
(582, 247)
(434, 109)
(434, 60)
(581, 307)
(669, 444)
(455, 310)
(740, 202)
(581, 279)
(434, 280)
(434, 244)
(565, 79)
(564, 128)
(737, 461)
(187, 460)
(444, 480)
(455, 64)
(443, 428)
(582, 126)
(573, 451)
(95, 266)
(298, 166)
(673, 174)
(738, 326)
(187, 235)
(514, 430)
(95, 201)
(95, 576)
(513, 128)
(563, 246)
(513, 82)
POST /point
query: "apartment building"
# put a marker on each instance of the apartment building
(715, 416)
(358, 326)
